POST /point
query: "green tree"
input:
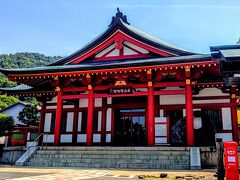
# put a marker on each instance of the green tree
(29, 115)
(6, 101)
(4, 82)
(238, 41)
(6, 124)
(20, 60)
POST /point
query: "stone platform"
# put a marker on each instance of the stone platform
(113, 157)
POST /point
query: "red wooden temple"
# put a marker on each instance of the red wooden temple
(127, 88)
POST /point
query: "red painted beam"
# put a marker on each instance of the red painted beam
(145, 93)
(80, 96)
(71, 89)
(169, 84)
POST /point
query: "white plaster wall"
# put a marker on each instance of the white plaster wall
(83, 103)
(47, 122)
(98, 102)
(224, 136)
(108, 138)
(81, 138)
(66, 138)
(210, 92)
(109, 100)
(144, 51)
(226, 118)
(211, 101)
(161, 112)
(115, 52)
(54, 100)
(69, 124)
(48, 138)
(127, 51)
(160, 140)
(172, 99)
(105, 51)
(142, 89)
(79, 121)
(51, 107)
(184, 112)
(109, 119)
(96, 138)
(99, 120)
(68, 106)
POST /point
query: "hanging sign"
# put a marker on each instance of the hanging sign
(121, 90)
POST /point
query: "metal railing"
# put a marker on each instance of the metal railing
(35, 142)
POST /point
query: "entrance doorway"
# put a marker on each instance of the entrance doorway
(130, 127)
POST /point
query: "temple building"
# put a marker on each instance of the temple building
(127, 88)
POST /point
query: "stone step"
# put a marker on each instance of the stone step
(113, 157)
(176, 153)
(111, 165)
(108, 156)
(117, 161)
(112, 148)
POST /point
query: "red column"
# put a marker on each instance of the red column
(57, 129)
(41, 123)
(150, 120)
(90, 116)
(234, 118)
(189, 114)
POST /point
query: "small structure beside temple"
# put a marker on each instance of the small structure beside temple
(127, 88)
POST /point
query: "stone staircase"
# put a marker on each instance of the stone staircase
(113, 157)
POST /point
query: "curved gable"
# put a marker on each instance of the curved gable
(123, 41)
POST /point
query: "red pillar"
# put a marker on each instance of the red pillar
(189, 114)
(150, 121)
(234, 118)
(57, 129)
(90, 116)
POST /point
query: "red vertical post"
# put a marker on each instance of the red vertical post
(150, 120)
(189, 114)
(234, 118)
(90, 116)
(41, 123)
(57, 129)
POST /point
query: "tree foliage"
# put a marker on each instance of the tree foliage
(29, 115)
(6, 101)
(238, 42)
(26, 60)
(20, 60)
(6, 124)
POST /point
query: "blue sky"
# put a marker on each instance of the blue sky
(60, 27)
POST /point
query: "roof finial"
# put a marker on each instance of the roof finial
(118, 10)
(119, 15)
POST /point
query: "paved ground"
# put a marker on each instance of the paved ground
(15, 173)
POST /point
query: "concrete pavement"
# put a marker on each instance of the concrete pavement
(29, 173)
